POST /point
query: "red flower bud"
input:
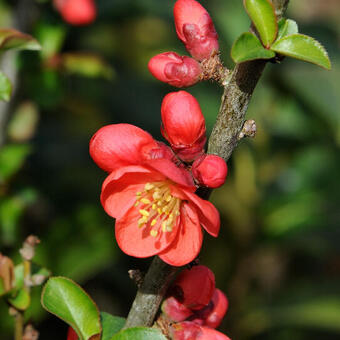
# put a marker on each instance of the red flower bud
(174, 310)
(77, 12)
(211, 334)
(195, 28)
(183, 125)
(174, 69)
(196, 286)
(210, 170)
(71, 334)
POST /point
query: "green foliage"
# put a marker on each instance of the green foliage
(304, 48)
(111, 325)
(21, 299)
(68, 301)
(248, 47)
(5, 87)
(13, 39)
(287, 27)
(263, 16)
(140, 333)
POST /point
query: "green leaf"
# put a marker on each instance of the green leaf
(262, 14)
(140, 333)
(304, 48)
(111, 325)
(12, 157)
(36, 272)
(21, 300)
(13, 39)
(248, 47)
(287, 27)
(68, 301)
(5, 87)
(86, 65)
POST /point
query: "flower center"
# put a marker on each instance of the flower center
(157, 207)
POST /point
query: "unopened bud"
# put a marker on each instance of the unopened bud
(77, 12)
(185, 331)
(183, 125)
(174, 310)
(196, 286)
(210, 171)
(196, 29)
(174, 69)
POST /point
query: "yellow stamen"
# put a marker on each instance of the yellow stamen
(153, 222)
(153, 233)
(144, 212)
(145, 201)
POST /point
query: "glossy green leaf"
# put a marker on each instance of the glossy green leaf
(262, 14)
(304, 48)
(248, 47)
(68, 301)
(5, 88)
(21, 300)
(140, 333)
(12, 157)
(287, 27)
(111, 325)
(13, 39)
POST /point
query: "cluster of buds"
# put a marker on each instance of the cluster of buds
(76, 12)
(196, 30)
(183, 126)
(195, 307)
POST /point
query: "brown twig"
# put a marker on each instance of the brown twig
(223, 140)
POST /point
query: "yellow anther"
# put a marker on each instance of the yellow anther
(141, 222)
(144, 212)
(153, 233)
(148, 186)
(169, 228)
(145, 201)
(153, 222)
(159, 203)
(156, 195)
(139, 193)
(168, 198)
(159, 210)
(164, 225)
(154, 206)
(137, 204)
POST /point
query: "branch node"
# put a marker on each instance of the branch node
(213, 69)
(248, 130)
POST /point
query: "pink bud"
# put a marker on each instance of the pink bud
(174, 310)
(77, 12)
(210, 170)
(185, 331)
(183, 125)
(174, 69)
(196, 286)
(211, 334)
(196, 29)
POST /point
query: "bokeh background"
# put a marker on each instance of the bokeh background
(277, 257)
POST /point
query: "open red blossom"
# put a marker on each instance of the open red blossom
(210, 170)
(152, 199)
(174, 69)
(196, 29)
(71, 334)
(183, 124)
(190, 331)
(195, 287)
(77, 12)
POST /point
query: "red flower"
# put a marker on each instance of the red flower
(190, 331)
(152, 199)
(174, 310)
(196, 29)
(210, 171)
(77, 12)
(174, 69)
(71, 334)
(183, 124)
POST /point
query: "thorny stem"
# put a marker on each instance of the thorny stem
(223, 140)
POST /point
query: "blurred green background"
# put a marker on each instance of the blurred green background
(277, 257)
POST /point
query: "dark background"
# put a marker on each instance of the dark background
(277, 257)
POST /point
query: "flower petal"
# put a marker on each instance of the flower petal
(120, 187)
(118, 145)
(170, 170)
(138, 241)
(188, 242)
(207, 213)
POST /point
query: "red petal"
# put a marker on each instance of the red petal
(220, 307)
(118, 145)
(71, 334)
(78, 12)
(211, 334)
(188, 243)
(174, 310)
(170, 170)
(120, 187)
(137, 241)
(208, 215)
